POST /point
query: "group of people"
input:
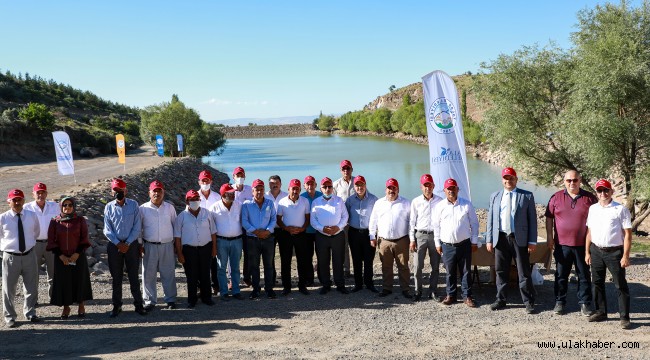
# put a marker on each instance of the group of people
(209, 237)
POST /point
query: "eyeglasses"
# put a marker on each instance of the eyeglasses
(572, 180)
(327, 186)
(602, 190)
(67, 205)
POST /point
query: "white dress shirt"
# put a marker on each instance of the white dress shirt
(158, 222)
(9, 226)
(390, 219)
(246, 193)
(293, 213)
(454, 222)
(212, 199)
(228, 222)
(195, 230)
(330, 212)
(606, 224)
(50, 210)
(420, 217)
(504, 205)
(344, 189)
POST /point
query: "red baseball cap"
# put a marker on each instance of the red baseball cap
(309, 178)
(426, 178)
(226, 188)
(257, 182)
(205, 174)
(118, 183)
(39, 186)
(192, 194)
(508, 171)
(156, 185)
(294, 183)
(358, 179)
(450, 182)
(392, 182)
(325, 180)
(15, 193)
(602, 183)
(238, 170)
(346, 163)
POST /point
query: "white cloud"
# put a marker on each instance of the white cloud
(222, 102)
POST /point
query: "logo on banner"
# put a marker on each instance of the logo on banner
(447, 155)
(120, 144)
(442, 115)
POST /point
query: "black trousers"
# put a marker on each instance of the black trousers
(458, 258)
(330, 248)
(246, 272)
(565, 258)
(266, 250)
(504, 252)
(198, 260)
(116, 261)
(214, 270)
(310, 240)
(287, 244)
(363, 255)
(600, 262)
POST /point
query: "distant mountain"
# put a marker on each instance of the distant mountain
(267, 121)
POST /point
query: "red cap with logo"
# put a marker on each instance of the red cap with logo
(426, 178)
(358, 179)
(257, 182)
(39, 186)
(205, 175)
(602, 183)
(238, 170)
(294, 183)
(450, 182)
(346, 163)
(156, 185)
(15, 193)
(192, 194)
(326, 180)
(508, 171)
(309, 178)
(392, 182)
(118, 184)
(226, 188)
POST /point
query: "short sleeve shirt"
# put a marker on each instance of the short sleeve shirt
(606, 224)
(570, 215)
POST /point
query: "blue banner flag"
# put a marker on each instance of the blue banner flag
(179, 142)
(160, 145)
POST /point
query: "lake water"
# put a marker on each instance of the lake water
(376, 158)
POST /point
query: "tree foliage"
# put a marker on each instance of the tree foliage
(38, 115)
(171, 118)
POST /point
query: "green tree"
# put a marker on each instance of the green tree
(326, 122)
(171, 118)
(38, 114)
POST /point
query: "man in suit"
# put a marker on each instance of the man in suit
(512, 233)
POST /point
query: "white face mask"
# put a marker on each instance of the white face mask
(194, 205)
(239, 180)
(205, 187)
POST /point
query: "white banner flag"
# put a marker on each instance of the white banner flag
(447, 155)
(63, 149)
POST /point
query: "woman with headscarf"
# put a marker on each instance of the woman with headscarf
(67, 238)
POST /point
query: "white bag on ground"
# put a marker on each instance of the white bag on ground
(536, 276)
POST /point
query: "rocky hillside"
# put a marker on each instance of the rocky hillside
(234, 132)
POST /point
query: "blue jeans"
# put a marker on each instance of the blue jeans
(228, 250)
(454, 258)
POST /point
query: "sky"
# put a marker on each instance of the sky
(267, 59)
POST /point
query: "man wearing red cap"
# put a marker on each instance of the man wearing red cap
(421, 236)
(20, 228)
(344, 188)
(566, 233)
(243, 193)
(389, 223)
(455, 226)
(310, 194)
(329, 216)
(293, 219)
(609, 239)
(275, 194)
(158, 218)
(359, 207)
(122, 227)
(45, 211)
(227, 219)
(195, 240)
(208, 199)
(512, 233)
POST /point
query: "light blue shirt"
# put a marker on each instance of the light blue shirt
(359, 210)
(122, 223)
(317, 194)
(254, 217)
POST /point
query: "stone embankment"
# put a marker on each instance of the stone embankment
(178, 176)
(235, 132)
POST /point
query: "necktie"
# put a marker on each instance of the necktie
(21, 235)
(508, 227)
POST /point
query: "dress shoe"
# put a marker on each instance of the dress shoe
(215, 290)
(348, 275)
(286, 292)
(324, 290)
(140, 310)
(171, 305)
(625, 324)
(271, 294)
(254, 295)
(11, 324)
(417, 296)
(530, 308)
(385, 293)
(559, 308)
(208, 302)
(407, 294)
(303, 290)
(373, 289)
(498, 305)
(116, 311)
(247, 283)
(191, 305)
(65, 314)
(470, 302)
(597, 317)
(343, 290)
(356, 288)
(585, 310)
(309, 283)
(34, 318)
(149, 308)
(448, 300)
(237, 296)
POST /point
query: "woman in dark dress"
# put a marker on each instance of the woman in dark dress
(67, 238)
